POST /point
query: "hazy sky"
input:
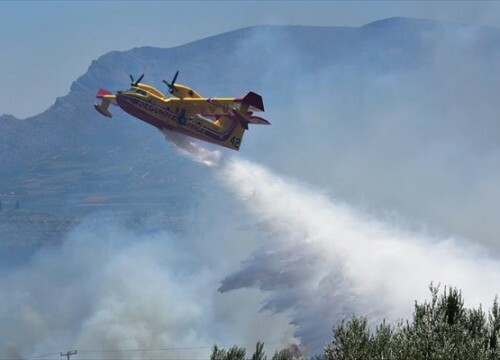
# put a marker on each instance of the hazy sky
(46, 45)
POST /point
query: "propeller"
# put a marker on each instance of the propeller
(135, 83)
(171, 85)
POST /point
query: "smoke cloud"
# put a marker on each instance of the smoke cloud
(406, 122)
(109, 288)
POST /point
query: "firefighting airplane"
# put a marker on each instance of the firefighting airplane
(221, 121)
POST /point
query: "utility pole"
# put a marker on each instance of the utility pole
(69, 353)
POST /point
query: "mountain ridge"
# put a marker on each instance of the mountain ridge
(302, 73)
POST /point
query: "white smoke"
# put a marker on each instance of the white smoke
(109, 288)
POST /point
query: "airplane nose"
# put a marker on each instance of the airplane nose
(119, 98)
(120, 95)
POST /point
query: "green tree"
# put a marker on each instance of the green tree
(440, 329)
(218, 354)
(284, 354)
(351, 340)
(236, 353)
(259, 352)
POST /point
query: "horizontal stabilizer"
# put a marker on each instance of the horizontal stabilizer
(258, 120)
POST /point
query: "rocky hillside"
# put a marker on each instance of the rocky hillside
(365, 100)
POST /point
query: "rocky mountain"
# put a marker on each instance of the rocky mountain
(228, 63)
(322, 88)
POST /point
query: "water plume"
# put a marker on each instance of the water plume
(324, 260)
(193, 149)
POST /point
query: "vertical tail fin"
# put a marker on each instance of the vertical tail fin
(237, 121)
(252, 102)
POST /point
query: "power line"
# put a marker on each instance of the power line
(40, 356)
(171, 348)
(68, 354)
(138, 350)
(120, 358)
(106, 358)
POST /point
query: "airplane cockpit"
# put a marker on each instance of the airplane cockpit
(145, 90)
(138, 91)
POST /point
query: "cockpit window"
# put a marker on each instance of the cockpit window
(138, 91)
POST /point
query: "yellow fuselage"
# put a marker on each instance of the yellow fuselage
(178, 114)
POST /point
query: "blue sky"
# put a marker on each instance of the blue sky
(46, 45)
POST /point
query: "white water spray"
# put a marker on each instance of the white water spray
(325, 260)
(191, 148)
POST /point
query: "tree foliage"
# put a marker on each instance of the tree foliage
(238, 353)
(440, 329)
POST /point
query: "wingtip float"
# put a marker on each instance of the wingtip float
(221, 121)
